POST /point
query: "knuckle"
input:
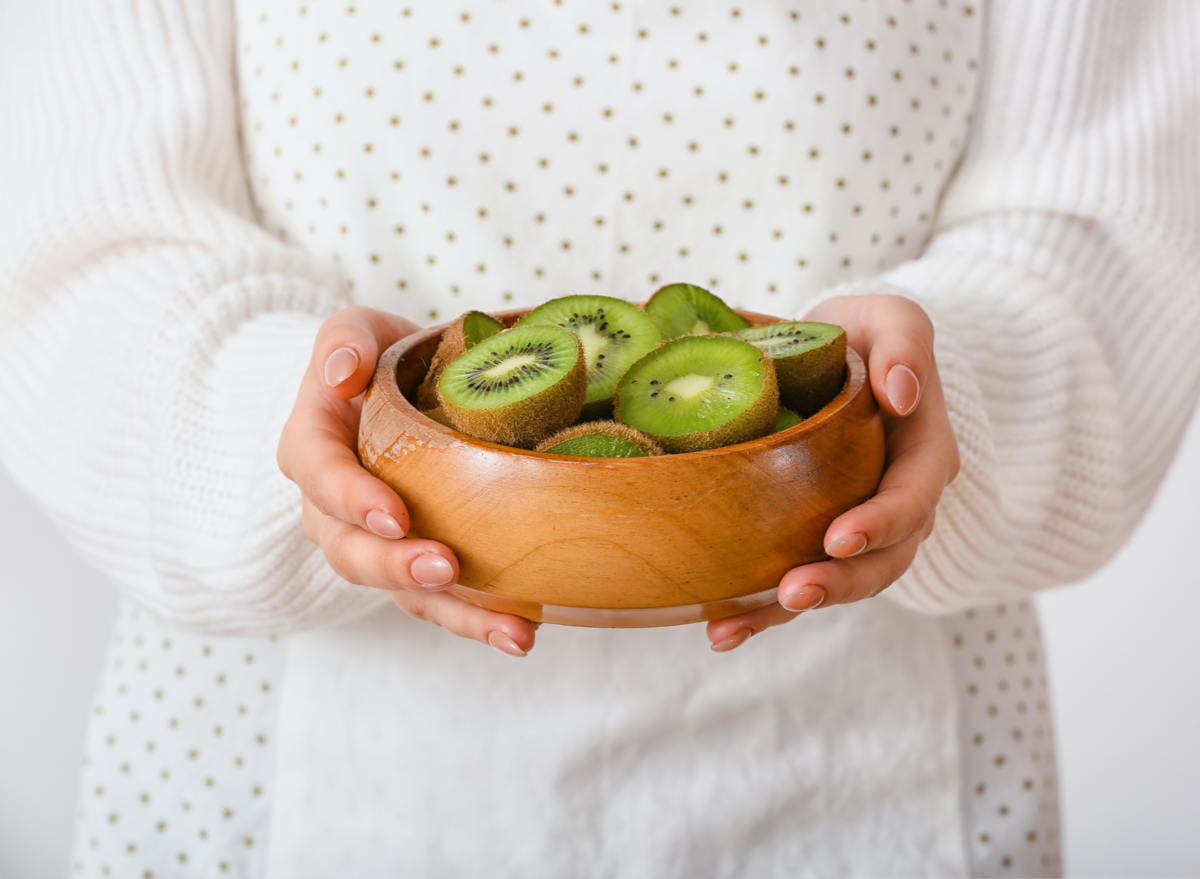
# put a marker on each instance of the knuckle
(339, 556)
(393, 563)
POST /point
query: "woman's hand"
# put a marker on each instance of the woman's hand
(355, 518)
(874, 543)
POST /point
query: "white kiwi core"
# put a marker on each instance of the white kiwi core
(689, 386)
(511, 364)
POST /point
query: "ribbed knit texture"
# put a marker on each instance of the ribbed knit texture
(152, 336)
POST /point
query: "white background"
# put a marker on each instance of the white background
(1124, 663)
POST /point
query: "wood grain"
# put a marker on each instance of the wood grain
(534, 529)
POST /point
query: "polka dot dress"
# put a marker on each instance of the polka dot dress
(180, 754)
(491, 155)
(1010, 779)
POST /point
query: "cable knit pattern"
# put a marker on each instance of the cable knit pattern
(153, 334)
(1060, 275)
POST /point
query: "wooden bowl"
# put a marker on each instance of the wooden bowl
(620, 542)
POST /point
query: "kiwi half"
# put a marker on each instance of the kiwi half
(601, 439)
(700, 392)
(809, 358)
(469, 330)
(688, 310)
(517, 387)
(784, 419)
(614, 335)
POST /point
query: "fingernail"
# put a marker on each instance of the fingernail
(903, 389)
(381, 523)
(505, 644)
(737, 639)
(805, 598)
(430, 569)
(847, 545)
(341, 364)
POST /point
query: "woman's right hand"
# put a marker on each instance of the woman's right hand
(356, 519)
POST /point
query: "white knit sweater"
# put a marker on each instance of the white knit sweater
(152, 333)
(1030, 176)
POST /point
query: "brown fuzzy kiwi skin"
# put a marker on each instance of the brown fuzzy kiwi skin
(527, 422)
(607, 428)
(810, 380)
(756, 421)
(438, 414)
(450, 348)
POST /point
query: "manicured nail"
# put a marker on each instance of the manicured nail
(505, 644)
(430, 569)
(737, 639)
(381, 523)
(903, 389)
(847, 545)
(804, 598)
(341, 364)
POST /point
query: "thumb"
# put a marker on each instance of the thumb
(349, 344)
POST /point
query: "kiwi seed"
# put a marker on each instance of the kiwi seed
(809, 359)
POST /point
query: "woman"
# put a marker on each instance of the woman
(197, 191)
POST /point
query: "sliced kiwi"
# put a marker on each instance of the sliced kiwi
(614, 335)
(601, 439)
(700, 392)
(516, 387)
(688, 310)
(438, 414)
(784, 419)
(809, 358)
(469, 330)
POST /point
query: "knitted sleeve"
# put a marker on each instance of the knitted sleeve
(1063, 279)
(152, 336)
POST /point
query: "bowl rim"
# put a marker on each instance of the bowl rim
(385, 382)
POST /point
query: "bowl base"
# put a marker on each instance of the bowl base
(617, 618)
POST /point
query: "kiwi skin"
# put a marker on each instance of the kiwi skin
(756, 421)
(809, 381)
(450, 348)
(525, 423)
(607, 428)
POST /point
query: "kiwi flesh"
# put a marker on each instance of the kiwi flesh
(614, 334)
(809, 358)
(688, 310)
(517, 387)
(785, 418)
(700, 392)
(601, 439)
(469, 330)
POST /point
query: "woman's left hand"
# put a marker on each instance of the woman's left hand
(874, 543)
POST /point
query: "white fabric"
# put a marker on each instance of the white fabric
(155, 318)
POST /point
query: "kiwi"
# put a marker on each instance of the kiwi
(517, 387)
(469, 330)
(614, 335)
(601, 439)
(809, 358)
(784, 419)
(700, 392)
(438, 414)
(685, 309)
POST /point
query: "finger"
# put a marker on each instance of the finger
(843, 581)
(924, 459)
(349, 344)
(316, 452)
(732, 632)
(894, 335)
(367, 560)
(506, 633)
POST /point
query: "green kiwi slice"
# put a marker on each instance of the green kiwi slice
(688, 310)
(516, 387)
(700, 392)
(601, 439)
(784, 419)
(469, 330)
(614, 334)
(809, 358)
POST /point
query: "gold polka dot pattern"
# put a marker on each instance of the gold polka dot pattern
(180, 751)
(449, 157)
